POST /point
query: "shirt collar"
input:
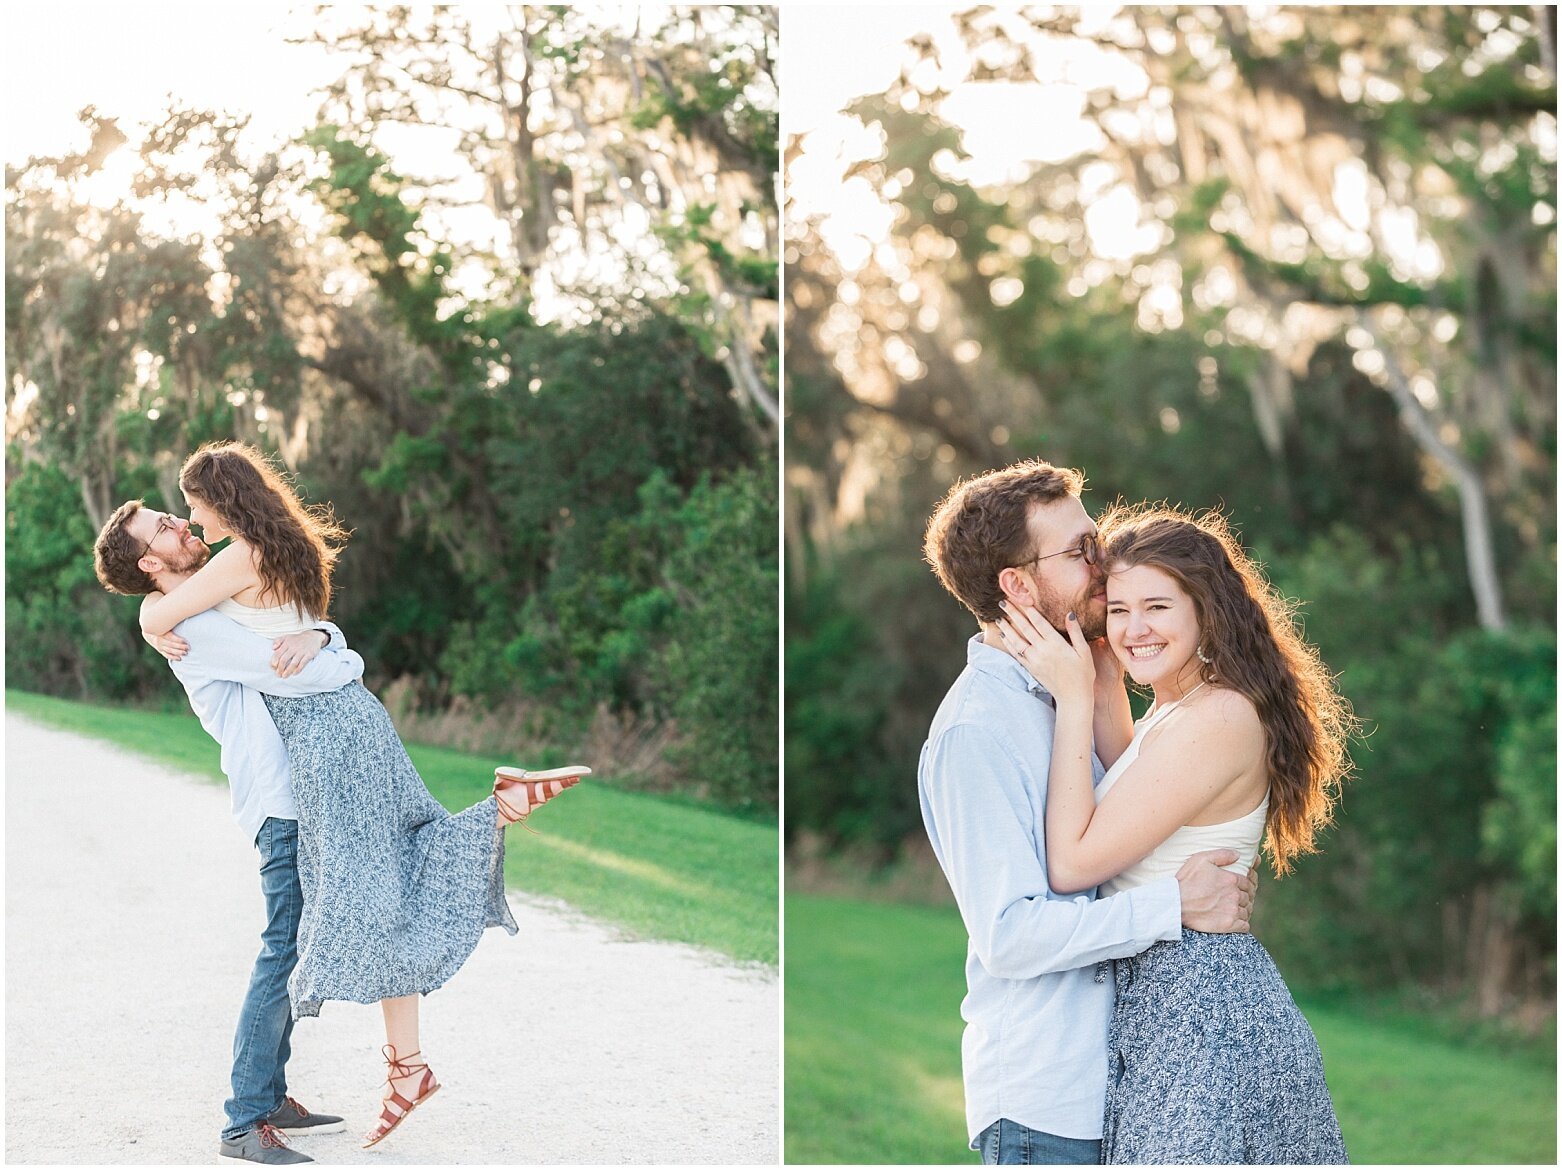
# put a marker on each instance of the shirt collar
(1003, 667)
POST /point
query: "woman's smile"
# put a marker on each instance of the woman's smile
(1152, 627)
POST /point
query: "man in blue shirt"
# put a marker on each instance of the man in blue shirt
(224, 669)
(1039, 997)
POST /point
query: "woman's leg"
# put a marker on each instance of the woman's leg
(410, 1081)
(401, 1033)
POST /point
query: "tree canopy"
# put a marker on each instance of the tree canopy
(1305, 268)
(537, 377)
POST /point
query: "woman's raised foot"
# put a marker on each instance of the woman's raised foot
(409, 1084)
(518, 792)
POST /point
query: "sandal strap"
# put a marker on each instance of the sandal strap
(403, 1066)
(508, 811)
(401, 1104)
(394, 1106)
(404, 1104)
(537, 794)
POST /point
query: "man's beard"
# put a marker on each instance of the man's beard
(188, 559)
(1091, 614)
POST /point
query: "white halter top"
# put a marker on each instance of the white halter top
(274, 621)
(1243, 834)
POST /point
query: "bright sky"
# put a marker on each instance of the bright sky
(833, 54)
(127, 59)
(132, 60)
(836, 54)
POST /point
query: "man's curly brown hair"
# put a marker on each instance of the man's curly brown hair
(116, 554)
(981, 528)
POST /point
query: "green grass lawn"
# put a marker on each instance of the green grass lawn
(661, 869)
(873, 1056)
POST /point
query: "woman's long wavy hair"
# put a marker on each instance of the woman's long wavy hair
(1248, 632)
(296, 546)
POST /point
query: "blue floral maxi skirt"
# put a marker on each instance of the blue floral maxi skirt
(397, 891)
(1211, 1062)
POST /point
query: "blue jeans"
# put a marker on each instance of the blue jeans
(261, 1044)
(1008, 1143)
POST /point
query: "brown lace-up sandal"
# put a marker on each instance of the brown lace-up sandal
(513, 786)
(395, 1106)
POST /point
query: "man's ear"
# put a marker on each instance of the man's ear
(151, 565)
(1017, 587)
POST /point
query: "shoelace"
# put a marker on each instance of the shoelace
(297, 1108)
(271, 1137)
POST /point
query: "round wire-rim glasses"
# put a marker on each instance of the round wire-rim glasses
(1087, 548)
(165, 524)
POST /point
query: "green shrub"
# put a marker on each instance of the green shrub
(64, 634)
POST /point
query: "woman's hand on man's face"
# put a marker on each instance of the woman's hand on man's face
(1065, 666)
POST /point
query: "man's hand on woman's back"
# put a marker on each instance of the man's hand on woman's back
(292, 653)
(1214, 900)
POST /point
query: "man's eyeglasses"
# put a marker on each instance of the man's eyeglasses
(1087, 548)
(166, 523)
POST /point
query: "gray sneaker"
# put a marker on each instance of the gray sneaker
(292, 1118)
(264, 1144)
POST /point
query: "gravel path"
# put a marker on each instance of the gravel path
(133, 913)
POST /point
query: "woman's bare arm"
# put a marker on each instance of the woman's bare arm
(1113, 722)
(1181, 769)
(229, 572)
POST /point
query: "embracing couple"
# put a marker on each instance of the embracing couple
(1118, 1010)
(374, 893)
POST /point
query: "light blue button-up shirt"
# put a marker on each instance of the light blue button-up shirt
(225, 672)
(1036, 1017)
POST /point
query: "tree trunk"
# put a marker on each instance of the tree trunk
(1491, 949)
(94, 497)
(1479, 555)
